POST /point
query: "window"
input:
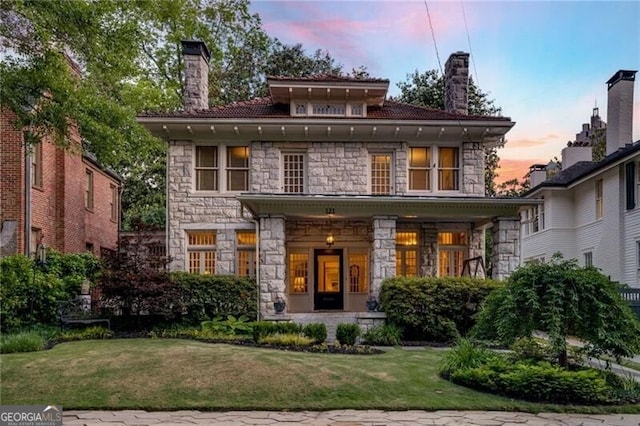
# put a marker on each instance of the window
(630, 185)
(36, 165)
(88, 193)
(381, 174)
(237, 168)
(89, 247)
(246, 254)
(448, 169)
(206, 168)
(293, 169)
(317, 108)
(638, 254)
(533, 220)
(298, 273)
(588, 259)
(328, 109)
(419, 169)
(201, 250)
(113, 204)
(358, 272)
(452, 247)
(36, 238)
(599, 201)
(407, 254)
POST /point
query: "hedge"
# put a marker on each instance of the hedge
(432, 308)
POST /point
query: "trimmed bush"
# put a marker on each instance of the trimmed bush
(266, 328)
(89, 333)
(432, 308)
(316, 331)
(26, 341)
(346, 334)
(288, 339)
(383, 335)
(208, 296)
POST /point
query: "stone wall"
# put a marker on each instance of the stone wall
(272, 262)
(473, 169)
(383, 257)
(476, 248)
(506, 246)
(196, 76)
(456, 83)
(428, 250)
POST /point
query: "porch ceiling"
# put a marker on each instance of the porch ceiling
(466, 209)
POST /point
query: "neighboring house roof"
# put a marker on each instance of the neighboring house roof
(110, 172)
(329, 78)
(583, 169)
(265, 108)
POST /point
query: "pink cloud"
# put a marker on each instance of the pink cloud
(539, 141)
(515, 169)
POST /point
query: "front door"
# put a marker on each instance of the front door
(329, 288)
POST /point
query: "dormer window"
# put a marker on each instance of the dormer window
(327, 109)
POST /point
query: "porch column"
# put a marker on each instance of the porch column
(225, 244)
(272, 262)
(506, 246)
(384, 251)
(476, 247)
(429, 250)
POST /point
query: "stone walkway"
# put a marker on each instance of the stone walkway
(342, 418)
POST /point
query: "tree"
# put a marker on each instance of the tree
(562, 300)
(292, 61)
(514, 187)
(427, 89)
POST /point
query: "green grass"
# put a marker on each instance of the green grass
(167, 374)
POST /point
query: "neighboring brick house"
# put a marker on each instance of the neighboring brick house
(591, 210)
(324, 189)
(51, 196)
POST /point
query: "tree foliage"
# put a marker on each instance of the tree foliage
(563, 300)
(427, 89)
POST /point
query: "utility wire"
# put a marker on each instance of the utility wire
(466, 27)
(433, 36)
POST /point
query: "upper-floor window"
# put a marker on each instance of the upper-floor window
(407, 253)
(327, 109)
(381, 172)
(237, 168)
(452, 248)
(201, 252)
(211, 160)
(293, 169)
(113, 203)
(420, 168)
(599, 199)
(448, 169)
(36, 165)
(630, 184)
(246, 254)
(88, 191)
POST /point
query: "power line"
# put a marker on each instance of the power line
(466, 27)
(433, 36)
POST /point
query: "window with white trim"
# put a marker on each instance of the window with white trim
(419, 168)
(88, 190)
(328, 109)
(452, 249)
(532, 220)
(448, 169)
(381, 172)
(246, 254)
(201, 252)
(237, 168)
(206, 168)
(588, 259)
(36, 165)
(599, 199)
(293, 169)
(406, 253)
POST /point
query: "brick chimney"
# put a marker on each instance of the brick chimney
(620, 110)
(456, 83)
(196, 75)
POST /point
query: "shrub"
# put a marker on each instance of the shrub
(286, 339)
(231, 326)
(434, 309)
(528, 348)
(30, 293)
(266, 328)
(346, 334)
(208, 296)
(463, 356)
(88, 333)
(316, 331)
(384, 335)
(26, 341)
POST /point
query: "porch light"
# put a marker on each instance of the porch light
(330, 240)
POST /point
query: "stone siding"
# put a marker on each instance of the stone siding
(272, 262)
(429, 250)
(196, 82)
(473, 169)
(456, 83)
(506, 246)
(383, 258)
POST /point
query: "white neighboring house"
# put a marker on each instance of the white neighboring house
(591, 210)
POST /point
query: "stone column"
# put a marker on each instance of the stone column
(429, 250)
(476, 249)
(272, 262)
(384, 251)
(472, 169)
(506, 246)
(226, 253)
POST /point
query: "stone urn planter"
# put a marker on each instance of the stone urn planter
(279, 304)
(372, 303)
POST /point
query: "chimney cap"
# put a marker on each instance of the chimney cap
(195, 47)
(629, 75)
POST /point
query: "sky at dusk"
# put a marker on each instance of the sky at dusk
(544, 62)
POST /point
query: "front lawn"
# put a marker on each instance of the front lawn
(167, 374)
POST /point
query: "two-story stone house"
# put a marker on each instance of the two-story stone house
(324, 188)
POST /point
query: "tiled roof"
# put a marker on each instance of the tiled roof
(264, 108)
(584, 168)
(329, 78)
